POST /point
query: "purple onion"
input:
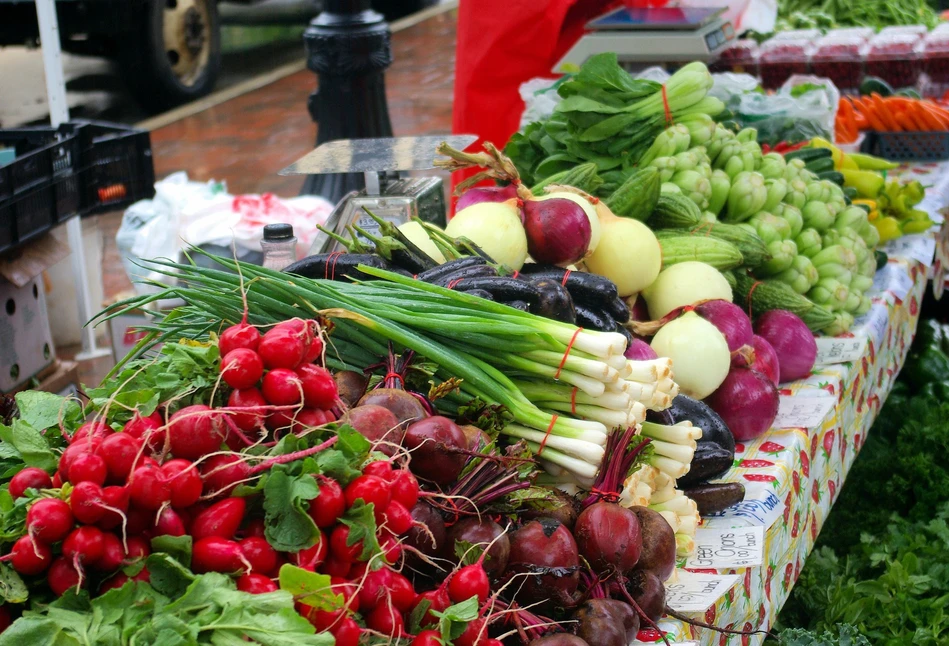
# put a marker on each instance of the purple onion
(730, 320)
(639, 311)
(639, 350)
(766, 359)
(480, 194)
(792, 341)
(747, 401)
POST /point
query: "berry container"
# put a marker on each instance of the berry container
(895, 58)
(899, 30)
(863, 33)
(780, 59)
(809, 35)
(740, 57)
(936, 56)
(840, 58)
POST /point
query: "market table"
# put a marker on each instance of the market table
(749, 557)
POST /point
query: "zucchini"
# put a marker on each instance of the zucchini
(850, 192)
(808, 154)
(767, 295)
(637, 196)
(674, 210)
(834, 176)
(678, 248)
(873, 84)
(821, 165)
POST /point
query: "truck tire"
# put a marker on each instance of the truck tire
(174, 54)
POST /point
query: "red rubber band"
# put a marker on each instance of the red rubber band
(567, 352)
(665, 106)
(414, 276)
(329, 272)
(396, 375)
(566, 274)
(750, 292)
(451, 283)
(573, 401)
(515, 274)
(606, 496)
(553, 420)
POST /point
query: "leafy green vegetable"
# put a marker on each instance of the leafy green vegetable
(288, 526)
(361, 522)
(453, 621)
(309, 588)
(846, 635)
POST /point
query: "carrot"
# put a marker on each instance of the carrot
(846, 113)
(906, 111)
(860, 104)
(861, 121)
(874, 120)
(935, 114)
(881, 111)
(904, 121)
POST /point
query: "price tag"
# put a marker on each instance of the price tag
(921, 247)
(697, 592)
(839, 350)
(727, 548)
(760, 508)
(894, 279)
(803, 411)
(874, 322)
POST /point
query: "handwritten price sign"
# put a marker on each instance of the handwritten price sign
(839, 350)
(803, 411)
(695, 592)
(760, 508)
(727, 548)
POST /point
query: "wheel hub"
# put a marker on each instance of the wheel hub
(186, 30)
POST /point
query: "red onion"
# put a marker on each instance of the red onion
(730, 320)
(480, 194)
(558, 230)
(639, 310)
(639, 350)
(766, 359)
(747, 401)
(792, 342)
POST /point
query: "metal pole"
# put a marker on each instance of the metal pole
(59, 114)
(348, 47)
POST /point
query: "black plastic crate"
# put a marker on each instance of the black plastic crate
(907, 146)
(117, 167)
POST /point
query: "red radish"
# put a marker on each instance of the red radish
(62, 576)
(223, 472)
(319, 387)
(114, 582)
(282, 348)
(380, 469)
(438, 601)
(29, 478)
(216, 554)
(195, 431)
(311, 417)
(253, 408)
(169, 523)
(255, 584)
(404, 488)
(113, 554)
(474, 634)
(322, 620)
(57, 480)
(147, 429)
(115, 502)
(609, 537)
(148, 488)
(241, 335)
(88, 467)
(371, 490)
(340, 547)
(469, 581)
(400, 592)
(30, 557)
(220, 519)
(49, 520)
(242, 368)
(261, 556)
(185, 482)
(138, 548)
(391, 549)
(375, 586)
(139, 521)
(326, 508)
(427, 638)
(120, 452)
(335, 567)
(312, 557)
(349, 591)
(347, 632)
(255, 527)
(71, 453)
(397, 519)
(91, 431)
(282, 387)
(85, 545)
(386, 620)
(86, 502)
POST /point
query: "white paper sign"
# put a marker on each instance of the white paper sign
(727, 548)
(803, 411)
(893, 279)
(875, 322)
(839, 350)
(696, 592)
(761, 507)
(921, 247)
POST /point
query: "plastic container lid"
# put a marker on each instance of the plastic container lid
(740, 52)
(275, 232)
(866, 33)
(894, 46)
(916, 30)
(785, 51)
(936, 41)
(840, 48)
(796, 34)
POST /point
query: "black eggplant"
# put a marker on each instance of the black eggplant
(504, 288)
(435, 273)
(518, 305)
(700, 414)
(710, 461)
(618, 309)
(594, 319)
(480, 293)
(472, 271)
(336, 266)
(715, 498)
(555, 301)
(583, 287)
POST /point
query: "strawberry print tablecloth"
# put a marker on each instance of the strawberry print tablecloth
(792, 475)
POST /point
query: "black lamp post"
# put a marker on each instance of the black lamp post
(348, 47)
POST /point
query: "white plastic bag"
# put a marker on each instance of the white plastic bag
(757, 15)
(540, 98)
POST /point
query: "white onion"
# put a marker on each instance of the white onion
(496, 228)
(685, 283)
(699, 353)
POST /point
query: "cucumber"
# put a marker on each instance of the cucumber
(808, 154)
(873, 84)
(767, 295)
(822, 165)
(674, 210)
(833, 176)
(908, 92)
(677, 248)
(850, 192)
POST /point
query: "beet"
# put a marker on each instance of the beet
(481, 532)
(606, 622)
(378, 425)
(565, 510)
(546, 550)
(477, 439)
(351, 386)
(659, 543)
(609, 537)
(560, 639)
(404, 406)
(647, 591)
(433, 442)
(427, 534)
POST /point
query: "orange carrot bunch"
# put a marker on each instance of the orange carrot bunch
(888, 114)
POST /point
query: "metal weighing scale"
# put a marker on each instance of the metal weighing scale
(646, 36)
(388, 195)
